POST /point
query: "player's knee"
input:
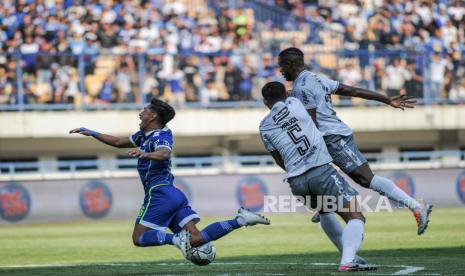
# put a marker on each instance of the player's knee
(362, 175)
(362, 179)
(135, 239)
(359, 216)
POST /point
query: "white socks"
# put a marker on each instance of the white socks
(332, 228)
(352, 237)
(386, 187)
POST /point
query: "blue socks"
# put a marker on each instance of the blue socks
(155, 237)
(212, 232)
(217, 230)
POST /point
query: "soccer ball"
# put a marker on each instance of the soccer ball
(204, 254)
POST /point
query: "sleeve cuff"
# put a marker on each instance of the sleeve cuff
(132, 141)
(336, 88)
(163, 146)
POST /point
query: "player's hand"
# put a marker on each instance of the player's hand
(402, 101)
(84, 131)
(137, 153)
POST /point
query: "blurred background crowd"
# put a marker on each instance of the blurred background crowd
(91, 52)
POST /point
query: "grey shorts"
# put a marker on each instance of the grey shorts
(344, 152)
(322, 181)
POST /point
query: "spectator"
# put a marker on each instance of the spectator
(106, 92)
(414, 85)
(209, 94)
(456, 12)
(246, 81)
(395, 77)
(449, 33)
(5, 87)
(29, 49)
(150, 87)
(437, 71)
(350, 74)
(91, 51)
(178, 97)
(232, 78)
(123, 84)
(191, 73)
(72, 89)
(457, 93)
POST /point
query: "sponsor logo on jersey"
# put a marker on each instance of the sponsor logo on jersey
(404, 181)
(461, 186)
(95, 199)
(250, 193)
(182, 185)
(15, 202)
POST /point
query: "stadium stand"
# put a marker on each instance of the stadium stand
(62, 54)
(115, 55)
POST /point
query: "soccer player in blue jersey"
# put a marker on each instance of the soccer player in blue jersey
(297, 146)
(315, 91)
(164, 205)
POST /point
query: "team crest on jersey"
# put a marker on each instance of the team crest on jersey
(250, 193)
(404, 181)
(15, 202)
(95, 199)
(182, 185)
(460, 184)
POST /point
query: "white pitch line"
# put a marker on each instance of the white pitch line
(406, 269)
(409, 269)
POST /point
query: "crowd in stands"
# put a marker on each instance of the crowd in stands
(126, 51)
(121, 51)
(396, 29)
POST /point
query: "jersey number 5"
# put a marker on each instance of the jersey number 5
(293, 132)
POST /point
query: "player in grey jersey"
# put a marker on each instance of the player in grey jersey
(315, 91)
(297, 146)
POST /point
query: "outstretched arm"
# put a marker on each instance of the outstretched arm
(119, 142)
(400, 101)
(278, 159)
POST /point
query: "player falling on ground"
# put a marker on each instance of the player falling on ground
(164, 205)
(314, 91)
(297, 146)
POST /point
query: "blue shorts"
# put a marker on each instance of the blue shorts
(165, 206)
(344, 152)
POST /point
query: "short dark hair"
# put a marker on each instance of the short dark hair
(164, 111)
(291, 51)
(294, 55)
(274, 91)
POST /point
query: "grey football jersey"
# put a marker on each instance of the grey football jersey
(289, 129)
(314, 91)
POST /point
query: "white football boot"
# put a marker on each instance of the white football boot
(184, 243)
(250, 218)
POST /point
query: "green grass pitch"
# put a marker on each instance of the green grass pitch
(290, 245)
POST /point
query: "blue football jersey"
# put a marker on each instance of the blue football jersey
(153, 172)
